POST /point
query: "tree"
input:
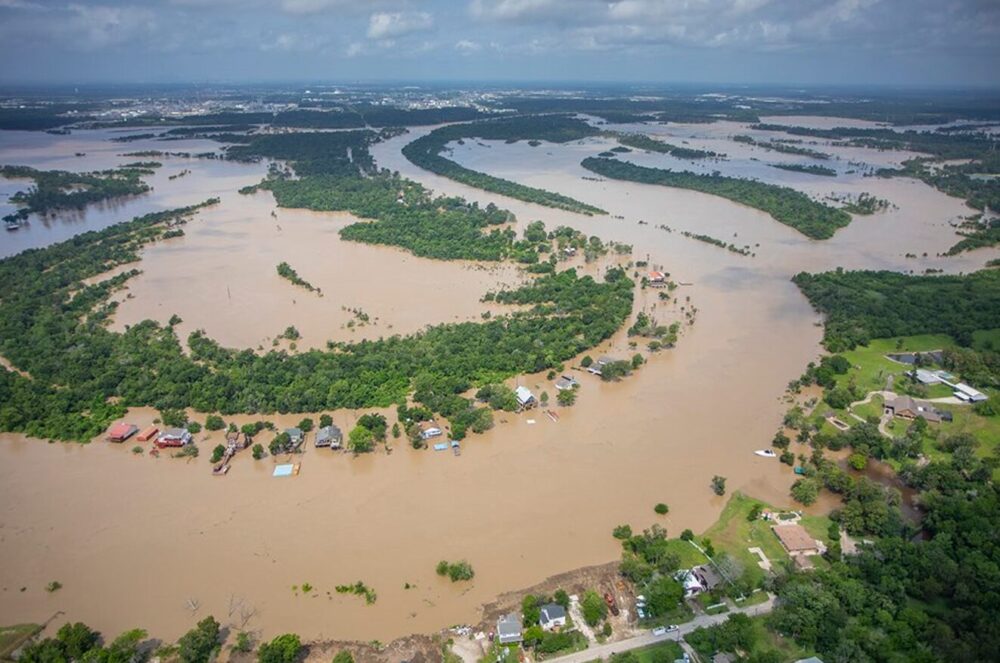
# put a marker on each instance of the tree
(562, 598)
(544, 398)
(622, 532)
(754, 512)
(77, 639)
(324, 421)
(594, 608)
(637, 361)
(257, 452)
(566, 397)
(687, 535)
(586, 361)
(395, 430)
(194, 427)
(780, 440)
(198, 644)
(360, 440)
(214, 422)
(217, 453)
(664, 594)
(343, 657)
(661, 509)
(282, 649)
(306, 425)
(805, 491)
(719, 485)
(530, 609)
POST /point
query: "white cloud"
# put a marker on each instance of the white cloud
(100, 26)
(467, 46)
(386, 25)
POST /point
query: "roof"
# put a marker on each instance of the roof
(552, 611)
(927, 377)
(175, 432)
(122, 429)
(294, 432)
(917, 408)
(509, 625)
(330, 432)
(565, 383)
(969, 391)
(811, 659)
(709, 574)
(657, 276)
(524, 395)
(795, 538)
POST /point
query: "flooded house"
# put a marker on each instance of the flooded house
(429, 429)
(599, 364)
(329, 436)
(174, 437)
(122, 431)
(525, 399)
(509, 629)
(566, 382)
(657, 279)
(295, 437)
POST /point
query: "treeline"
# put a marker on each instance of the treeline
(426, 153)
(784, 204)
(977, 235)
(863, 305)
(809, 169)
(784, 147)
(644, 142)
(286, 271)
(334, 153)
(59, 189)
(977, 182)
(83, 375)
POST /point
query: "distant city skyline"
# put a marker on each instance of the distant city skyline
(909, 43)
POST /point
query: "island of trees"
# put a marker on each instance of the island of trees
(426, 153)
(785, 205)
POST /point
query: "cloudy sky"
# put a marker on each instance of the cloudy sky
(907, 42)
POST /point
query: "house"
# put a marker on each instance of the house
(295, 437)
(797, 541)
(708, 576)
(525, 399)
(329, 436)
(657, 279)
(429, 429)
(566, 382)
(964, 392)
(148, 434)
(122, 431)
(600, 363)
(509, 629)
(690, 582)
(552, 616)
(906, 407)
(174, 437)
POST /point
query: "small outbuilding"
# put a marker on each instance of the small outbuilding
(525, 399)
(565, 383)
(429, 429)
(148, 434)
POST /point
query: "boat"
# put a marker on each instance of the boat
(766, 453)
(456, 448)
(221, 469)
(800, 470)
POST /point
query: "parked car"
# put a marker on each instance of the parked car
(660, 630)
(673, 627)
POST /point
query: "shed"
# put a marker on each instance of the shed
(148, 434)
(122, 431)
(329, 436)
(967, 393)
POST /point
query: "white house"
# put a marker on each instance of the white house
(429, 429)
(525, 399)
(552, 615)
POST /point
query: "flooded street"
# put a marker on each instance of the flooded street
(138, 541)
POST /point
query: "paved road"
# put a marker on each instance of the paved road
(646, 639)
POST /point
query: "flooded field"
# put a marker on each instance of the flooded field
(138, 541)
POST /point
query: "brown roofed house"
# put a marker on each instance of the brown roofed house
(796, 540)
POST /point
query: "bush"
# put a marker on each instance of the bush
(661, 509)
(687, 535)
(456, 571)
(622, 532)
(586, 361)
(805, 491)
(594, 608)
(214, 422)
(566, 397)
(324, 421)
(244, 643)
(343, 657)
(257, 452)
(217, 453)
(194, 428)
(198, 644)
(719, 485)
(306, 425)
(283, 649)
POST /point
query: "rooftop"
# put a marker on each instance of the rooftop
(795, 538)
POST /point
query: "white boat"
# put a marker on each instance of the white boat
(766, 453)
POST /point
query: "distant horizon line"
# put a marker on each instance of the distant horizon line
(539, 83)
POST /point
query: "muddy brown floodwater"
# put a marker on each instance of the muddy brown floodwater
(138, 541)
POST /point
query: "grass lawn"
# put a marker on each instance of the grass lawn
(817, 526)
(768, 640)
(689, 555)
(871, 367)
(758, 597)
(670, 651)
(12, 637)
(733, 533)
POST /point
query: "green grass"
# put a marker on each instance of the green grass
(758, 597)
(817, 526)
(734, 534)
(767, 639)
(671, 651)
(688, 555)
(12, 637)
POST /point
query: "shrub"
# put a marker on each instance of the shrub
(719, 485)
(594, 608)
(198, 644)
(257, 452)
(622, 532)
(217, 453)
(661, 509)
(214, 422)
(282, 649)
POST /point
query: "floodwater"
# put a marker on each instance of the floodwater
(157, 543)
